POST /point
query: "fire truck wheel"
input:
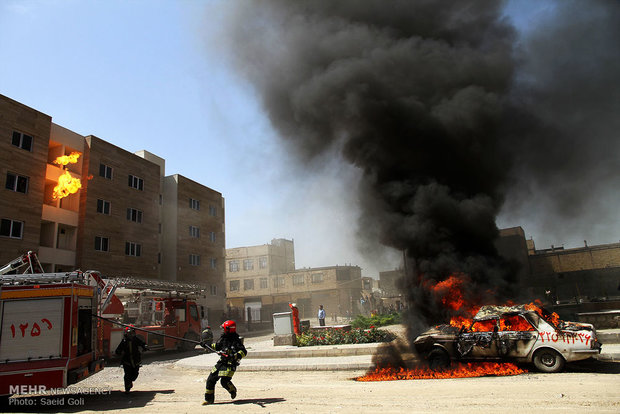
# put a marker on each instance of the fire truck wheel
(548, 360)
(438, 359)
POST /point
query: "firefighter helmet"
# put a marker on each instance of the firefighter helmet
(229, 327)
(130, 331)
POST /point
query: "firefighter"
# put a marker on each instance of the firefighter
(231, 350)
(129, 350)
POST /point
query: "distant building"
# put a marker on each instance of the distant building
(127, 219)
(581, 279)
(264, 279)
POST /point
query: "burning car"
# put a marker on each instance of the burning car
(523, 333)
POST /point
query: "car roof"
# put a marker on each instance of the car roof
(493, 311)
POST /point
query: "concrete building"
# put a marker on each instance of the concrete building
(127, 219)
(264, 279)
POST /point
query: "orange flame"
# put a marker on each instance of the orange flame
(458, 370)
(67, 159)
(67, 185)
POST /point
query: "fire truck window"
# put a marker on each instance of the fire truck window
(84, 331)
(193, 311)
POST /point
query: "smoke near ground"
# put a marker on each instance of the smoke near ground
(446, 113)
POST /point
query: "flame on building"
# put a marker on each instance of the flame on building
(67, 159)
(67, 184)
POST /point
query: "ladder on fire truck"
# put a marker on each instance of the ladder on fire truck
(168, 287)
(30, 259)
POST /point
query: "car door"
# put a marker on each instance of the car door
(516, 336)
(480, 341)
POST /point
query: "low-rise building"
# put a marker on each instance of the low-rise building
(262, 280)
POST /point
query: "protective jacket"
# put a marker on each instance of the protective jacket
(129, 351)
(232, 349)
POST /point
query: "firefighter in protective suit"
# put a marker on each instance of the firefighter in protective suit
(231, 350)
(129, 350)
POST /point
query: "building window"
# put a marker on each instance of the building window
(234, 285)
(136, 182)
(212, 236)
(11, 228)
(103, 206)
(105, 171)
(134, 215)
(317, 278)
(298, 280)
(133, 249)
(158, 258)
(194, 204)
(233, 266)
(213, 290)
(264, 283)
(194, 259)
(262, 262)
(248, 284)
(212, 211)
(194, 232)
(161, 199)
(16, 182)
(102, 244)
(213, 263)
(278, 281)
(22, 141)
(248, 264)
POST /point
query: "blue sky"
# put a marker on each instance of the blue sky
(149, 75)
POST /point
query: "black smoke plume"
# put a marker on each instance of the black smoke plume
(423, 97)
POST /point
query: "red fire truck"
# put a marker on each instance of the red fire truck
(56, 328)
(48, 336)
(163, 311)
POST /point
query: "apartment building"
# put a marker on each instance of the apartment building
(23, 160)
(124, 217)
(194, 224)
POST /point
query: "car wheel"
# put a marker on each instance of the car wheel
(548, 360)
(438, 359)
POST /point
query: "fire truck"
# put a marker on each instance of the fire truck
(57, 328)
(48, 338)
(162, 310)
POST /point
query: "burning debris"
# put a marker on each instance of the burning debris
(67, 184)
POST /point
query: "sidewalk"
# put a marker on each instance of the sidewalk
(264, 356)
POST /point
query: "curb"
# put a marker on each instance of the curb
(317, 351)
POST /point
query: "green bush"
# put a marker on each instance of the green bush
(377, 320)
(336, 336)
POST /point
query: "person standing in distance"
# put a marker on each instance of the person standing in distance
(321, 315)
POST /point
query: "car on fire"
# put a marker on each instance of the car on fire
(517, 334)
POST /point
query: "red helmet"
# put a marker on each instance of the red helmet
(229, 327)
(129, 330)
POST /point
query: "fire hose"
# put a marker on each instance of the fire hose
(160, 334)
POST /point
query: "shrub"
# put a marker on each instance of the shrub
(363, 322)
(334, 336)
